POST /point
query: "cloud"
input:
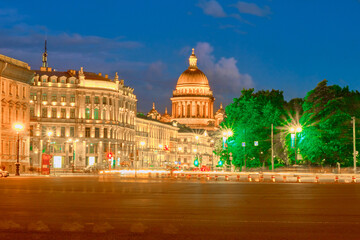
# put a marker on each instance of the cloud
(212, 8)
(224, 76)
(252, 9)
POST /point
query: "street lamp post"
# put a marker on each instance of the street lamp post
(74, 154)
(18, 127)
(49, 133)
(295, 131)
(160, 146)
(226, 135)
(142, 154)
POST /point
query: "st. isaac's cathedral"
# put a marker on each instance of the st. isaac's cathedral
(192, 101)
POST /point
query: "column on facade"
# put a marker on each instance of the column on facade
(207, 110)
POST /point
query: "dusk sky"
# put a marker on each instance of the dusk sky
(279, 44)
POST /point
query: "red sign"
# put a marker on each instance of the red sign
(45, 164)
(109, 155)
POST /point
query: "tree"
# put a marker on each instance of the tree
(327, 131)
(250, 117)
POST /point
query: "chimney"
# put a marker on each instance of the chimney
(106, 76)
(99, 74)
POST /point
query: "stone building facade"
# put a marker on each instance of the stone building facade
(15, 77)
(87, 116)
(163, 144)
(156, 142)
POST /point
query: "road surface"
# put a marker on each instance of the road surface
(117, 208)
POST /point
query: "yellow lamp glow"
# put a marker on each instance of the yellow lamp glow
(18, 127)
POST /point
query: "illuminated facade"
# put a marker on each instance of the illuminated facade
(15, 77)
(193, 100)
(87, 115)
(162, 143)
(156, 142)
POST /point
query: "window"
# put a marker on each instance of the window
(104, 100)
(91, 148)
(31, 134)
(63, 98)
(110, 103)
(17, 91)
(53, 112)
(63, 113)
(87, 99)
(97, 132)
(95, 148)
(53, 80)
(33, 96)
(3, 87)
(96, 113)
(44, 97)
(72, 131)
(53, 98)
(105, 133)
(62, 131)
(104, 115)
(87, 132)
(96, 100)
(44, 79)
(32, 112)
(111, 133)
(72, 98)
(72, 113)
(87, 113)
(24, 92)
(44, 112)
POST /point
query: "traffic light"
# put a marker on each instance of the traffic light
(196, 162)
(220, 163)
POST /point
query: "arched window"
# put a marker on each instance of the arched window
(87, 113)
(96, 113)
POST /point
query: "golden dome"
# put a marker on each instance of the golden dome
(192, 76)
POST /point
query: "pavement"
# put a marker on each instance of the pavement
(113, 207)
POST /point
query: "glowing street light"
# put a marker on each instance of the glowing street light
(18, 128)
(295, 130)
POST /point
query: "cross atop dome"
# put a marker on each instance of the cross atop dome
(193, 59)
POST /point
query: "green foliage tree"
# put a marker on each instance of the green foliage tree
(327, 130)
(250, 117)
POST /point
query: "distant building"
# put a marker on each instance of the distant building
(87, 116)
(15, 77)
(193, 100)
(164, 143)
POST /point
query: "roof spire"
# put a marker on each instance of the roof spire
(44, 57)
(166, 110)
(192, 59)
(221, 106)
(153, 105)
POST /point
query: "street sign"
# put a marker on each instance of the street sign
(256, 143)
(243, 144)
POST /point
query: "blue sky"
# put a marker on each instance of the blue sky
(279, 44)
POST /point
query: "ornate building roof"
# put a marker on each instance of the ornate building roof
(192, 76)
(165, 117)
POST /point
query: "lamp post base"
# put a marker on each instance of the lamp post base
(17, 173)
